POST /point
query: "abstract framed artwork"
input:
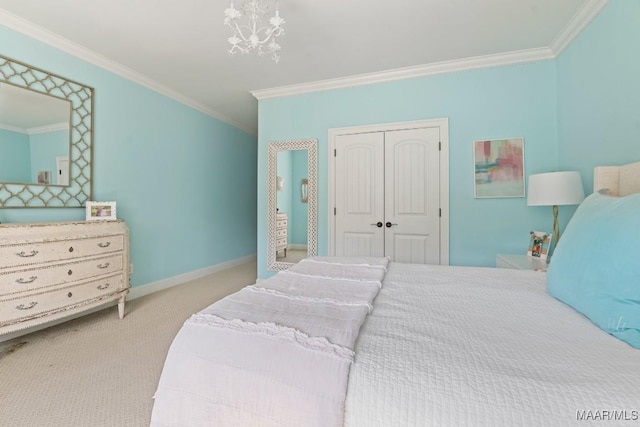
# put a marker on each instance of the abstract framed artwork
(499, 168)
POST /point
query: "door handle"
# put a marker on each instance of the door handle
(378, 224)
(389, 225)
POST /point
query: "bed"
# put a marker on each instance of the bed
(368, 342)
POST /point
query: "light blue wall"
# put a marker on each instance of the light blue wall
(184, 181)
(15, 157)
(500, 102)
(45, 147)
(599, 92)
(292, 166)
(283, 196)
(299, 170)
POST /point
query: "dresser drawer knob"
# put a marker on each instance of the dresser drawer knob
(69, 294)
(105, 265)
(27, 307)
(104, 244)
(70, 272)
(70, 248)
(103, 286)
(25, 281)
(23, 254)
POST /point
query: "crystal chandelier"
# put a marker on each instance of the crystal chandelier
(249, 32)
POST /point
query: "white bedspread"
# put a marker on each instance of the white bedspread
(456, 346)
(277, 354)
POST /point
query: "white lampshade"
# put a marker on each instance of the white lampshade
(555, 189)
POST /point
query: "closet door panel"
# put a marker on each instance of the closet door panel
(360, 194)
(410, 248)
(412, 195)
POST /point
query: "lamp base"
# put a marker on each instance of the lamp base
(556, 226)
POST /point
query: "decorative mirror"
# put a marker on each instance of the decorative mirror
(46, 138)
(292, 231)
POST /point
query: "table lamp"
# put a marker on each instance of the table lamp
(555, 189)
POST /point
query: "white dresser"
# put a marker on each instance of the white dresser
(282, 238)
(53, 270)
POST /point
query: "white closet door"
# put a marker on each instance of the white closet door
(359, 179)
(412, 195)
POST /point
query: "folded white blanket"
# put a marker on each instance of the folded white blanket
(222, 376)
(354, 260)
(347, 291)
(273, 354)
(337, 270)
(339, 324)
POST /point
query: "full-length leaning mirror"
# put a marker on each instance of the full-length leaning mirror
(292, 232)
(46, 138)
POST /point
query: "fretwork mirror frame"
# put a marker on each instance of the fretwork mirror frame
(311, 145)
(79, 190)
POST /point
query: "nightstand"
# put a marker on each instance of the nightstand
(521, 262)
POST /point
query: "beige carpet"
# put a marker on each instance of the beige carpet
(98, 370)
(293, 255)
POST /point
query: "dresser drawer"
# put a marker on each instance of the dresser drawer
(39, 304)
(35, 253)
(281, 223)
(35, 278)
(281, 233)
(281, 243)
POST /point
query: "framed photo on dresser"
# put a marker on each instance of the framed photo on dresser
(100, 211)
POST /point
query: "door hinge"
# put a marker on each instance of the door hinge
(440, 212)
(335, 153)
(334, 211)
(439, 146)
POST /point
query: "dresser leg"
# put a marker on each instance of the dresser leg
(121, 308)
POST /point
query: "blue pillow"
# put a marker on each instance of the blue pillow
(596, 266)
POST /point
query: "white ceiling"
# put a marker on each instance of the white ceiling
(180, 47)
(25, 111)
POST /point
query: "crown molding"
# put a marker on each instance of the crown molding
(39, 33)
(36, 129)
(580, 20)
(48, 128)
(11, 128)
(495, 60)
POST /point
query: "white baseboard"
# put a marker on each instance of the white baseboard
(137, 292)
(149, 288)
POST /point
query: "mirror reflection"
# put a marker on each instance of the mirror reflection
(292, 225)
(292, 209)
(34, 137)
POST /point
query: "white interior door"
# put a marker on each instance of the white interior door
(387, 195)
(359, 195)
(62, 170)
(412, 196)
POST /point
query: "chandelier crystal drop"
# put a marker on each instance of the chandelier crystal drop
(250, 30)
